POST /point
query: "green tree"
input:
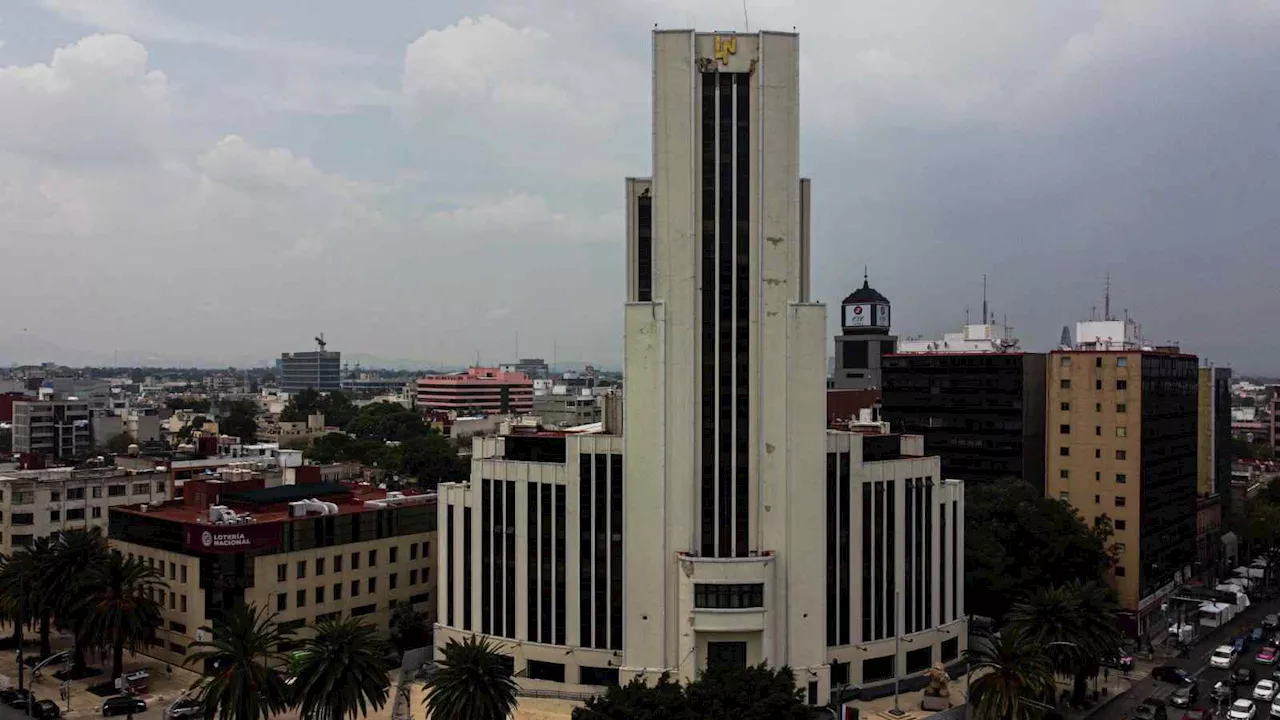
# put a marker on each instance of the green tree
(472, 682)
(29, 588)
(200, 405)
(409, 629)
(301, 405)
(387, 421)
(239, 419)
(637, 701)
(341, 672)
(121, 609)
(1012, 677)
(75, 551)
(1076, 625)
(719, 693)
(238, 660)
(1017, 541)
(119, 443)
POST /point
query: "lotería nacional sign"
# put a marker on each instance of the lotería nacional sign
(232, 538)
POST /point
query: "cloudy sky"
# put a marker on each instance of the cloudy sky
(425, 180)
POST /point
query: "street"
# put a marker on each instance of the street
(1197, 664)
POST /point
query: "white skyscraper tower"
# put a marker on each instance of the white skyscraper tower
(725, 366)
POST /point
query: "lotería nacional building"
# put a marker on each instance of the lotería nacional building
(728, 526)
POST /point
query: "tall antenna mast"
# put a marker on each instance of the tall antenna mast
(745, 22)
(984, 299)
(1106, 311)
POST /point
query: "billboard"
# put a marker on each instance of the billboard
(882, 315)
(232, 538)
(858, 315)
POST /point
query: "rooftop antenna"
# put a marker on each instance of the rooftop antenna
(320, 342)
(966, 314)
(865, 280)
(1106, 313)
(745, 21)
(1093, 312)
(517, 357)
(984, 300)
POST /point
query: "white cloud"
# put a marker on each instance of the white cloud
(525, 219)
(482, 58)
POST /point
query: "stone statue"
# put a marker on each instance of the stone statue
(937, 696)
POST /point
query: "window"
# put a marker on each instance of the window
(75, 493)
(1064, 473)
(173, 571)
(302, 569)
(1064, 361)
(1097, 407)
(282, 602)
(373, 558)
(1064, 429)
(1119, 501)
(413, 551)
(319, 566)
(1097, 362)
(1065, 384)
(173, 600)
(1097, 499)
(182, 603)
(1119, 571)
(24, 497)
(1121, 478)
(1064, 451)
(720, 596)
(1122, 431)
(1097, 453)
(177, 648)
(55, 515)
(355, 588)
(1064, 407)
(22, 518)
(391, 581)
(1120, 524)
(1097, 384)
(282, 572)
(320, 595)
(950, 649)
(160, 488)
(373, 585)
(919, 660)
(1097, 429)
(392, 553)
(337, 563)
(355, 561)
(97, 492)
(603, 676)
(177, 627)
(22, 540)
(335, 615)
(1064, 496)
(1122, 407)
(876, 669)
(96, 513)
(285, 627)
(1122, 384)
(1121, 455)
(413, 576)
(115, 490)
(183, 573)
(1122, 362)
(1097, 476)
(363, 610)
(419, 598)
(426, 548)
(1120, 547)
(55, 496)
(75, 514)
(539, 670)
(141, 488)
(337, 591)
(302, 598)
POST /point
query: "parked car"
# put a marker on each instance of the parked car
(1243, 676)
(1271, 622)
(1124, 663)
(1242, 710)
(1275, 709)
(1171, 674)
(1266, 656)
(1150, 709)
(16, 698)
(1265, 690)
(183, 707)
(1185, 696)
(122, 705)
(46, 710)
(1223, 657)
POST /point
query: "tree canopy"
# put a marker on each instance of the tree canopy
(200, 405)
(719, 693)
(393, 438)
(1017, 541)
(239, 419)
(336, 407)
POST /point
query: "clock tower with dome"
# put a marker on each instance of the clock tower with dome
(864, 338)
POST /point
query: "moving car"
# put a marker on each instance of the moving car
(1271, 622)
(1171, 674)
(1150, 709)
(1243, 676)
(1275, 709)
(1124, 663)
(1223, 657)
(1267, 655)
(1242, 710)
(183, 707)
(1265, 690)
(1185, 696)
(122, 705)
(46, 710)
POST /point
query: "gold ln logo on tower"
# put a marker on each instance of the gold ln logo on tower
(725, 46)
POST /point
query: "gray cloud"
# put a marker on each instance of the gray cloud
(426, 181)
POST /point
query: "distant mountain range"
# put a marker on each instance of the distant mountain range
(29, 349)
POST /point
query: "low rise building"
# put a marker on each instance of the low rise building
(477, 391)
(304, 552)
(39, 503)
(566, 409)
(52, 428)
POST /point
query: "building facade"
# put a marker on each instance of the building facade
(1213, 471)
(535, 368)
(478, 391)
(566, 409)
(52, 428)
(695, 541)
(315, 369)
(305, 552)
(1123, 445)
(863, 340)
(983, 413)
(39, 503)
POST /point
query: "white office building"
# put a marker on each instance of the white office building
(730, 526)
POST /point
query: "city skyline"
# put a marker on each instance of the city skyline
(182, 186)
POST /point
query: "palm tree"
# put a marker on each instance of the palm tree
(29, 590)
(472, 682)
(120, 606)
(1076, 625)
(340, 671)
(1018, 677)
(74, 551)
(240, 682)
